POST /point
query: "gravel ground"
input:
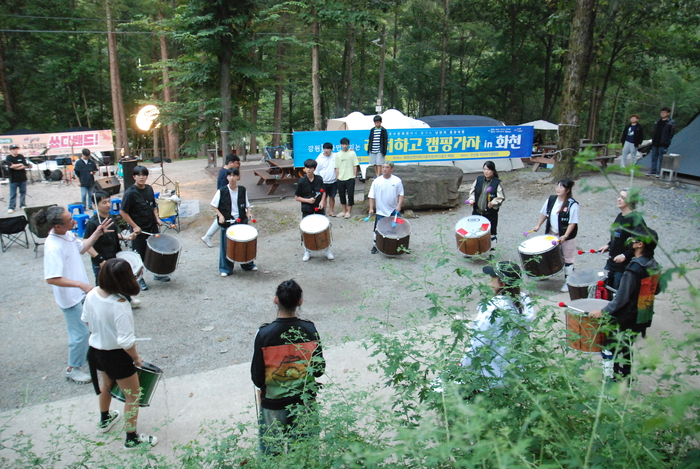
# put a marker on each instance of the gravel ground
(200, 321)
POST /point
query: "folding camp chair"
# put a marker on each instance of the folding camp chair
(38, 233)
(11, 230)
(168, 213)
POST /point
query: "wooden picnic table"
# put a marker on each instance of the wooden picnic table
(286, 167)
(549, 155)
(281, 172)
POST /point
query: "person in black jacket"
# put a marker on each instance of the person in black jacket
(487, 195)
(232, 208)
(287, 357)
(632, 137)
(16, 165)
(377, 145)
(632, 309)
(664, 129)
(85, 168)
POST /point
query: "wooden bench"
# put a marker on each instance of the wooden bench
(273, 180)
(540, 160)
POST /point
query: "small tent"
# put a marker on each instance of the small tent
(542, 125)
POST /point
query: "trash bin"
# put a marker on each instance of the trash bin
(128, 165)
(670, 164)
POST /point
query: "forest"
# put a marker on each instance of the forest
(236, 71)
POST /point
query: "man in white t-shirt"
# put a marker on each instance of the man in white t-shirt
(65, 271)
(386, 194)
(326, 169)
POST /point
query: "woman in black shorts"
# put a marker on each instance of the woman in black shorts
(113, 346)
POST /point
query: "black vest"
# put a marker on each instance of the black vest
(563, 217)
(225, 206)
(478, 188)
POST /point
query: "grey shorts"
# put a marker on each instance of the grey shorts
(376, 159)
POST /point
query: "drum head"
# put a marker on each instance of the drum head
(313, 224)
(242, 233)
(585, 277)
(133, 259)
(537, 245)
(473, 226)
(389, 229)
(587, 304)
(164, 244)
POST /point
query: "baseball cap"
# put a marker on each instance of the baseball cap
(507, 272)
(12, 147)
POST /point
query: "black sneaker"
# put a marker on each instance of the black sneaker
(142, 284)
(374, 250)
(141, 441)
(161, 278)
(106, 425)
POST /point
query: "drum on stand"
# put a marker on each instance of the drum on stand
(583, 283)
(473, 235)
(315, 232)
(393, 237)
(134, 261)
(541, 256)
(162, 254)
(149, 375)
(241, 243)
(583, 331)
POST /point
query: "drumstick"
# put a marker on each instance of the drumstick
(467, 202)
(393, 223)
(527, 233)
(157, 235)
(564, 305)
(142, 338)
(592, 251)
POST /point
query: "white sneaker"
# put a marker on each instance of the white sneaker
(142, 441)
(207, 241)
(12, 210)
(329, 255)
(135, 303)
(564, 288)
(78, 376)
(224, 274)
(307, 255)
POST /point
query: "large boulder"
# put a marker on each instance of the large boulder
(427, 187)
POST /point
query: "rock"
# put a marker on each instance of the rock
(428, 187)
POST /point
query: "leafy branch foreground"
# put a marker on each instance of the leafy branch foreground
(550, 410)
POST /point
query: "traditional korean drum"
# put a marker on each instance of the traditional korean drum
(541, 256)
(393, 236)
(315, 232)
(162, 254)
(473, 235)
(583, 331)
(583, 283)
(241, 243)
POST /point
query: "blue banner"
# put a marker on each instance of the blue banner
(424, 145)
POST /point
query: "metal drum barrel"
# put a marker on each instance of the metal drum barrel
(541, 256)
(583, 331)
(149, 375)
(162, 254)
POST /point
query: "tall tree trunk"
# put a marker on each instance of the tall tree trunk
(121, 136)
(85, 103)
(316, 85)
(382, 55)
(443, 60)
(279, 90)
(156, 149)
(579, 60)
(75, 106)
(4, 84)
(172, 136)
(614, 112)
(225, 57)
(351, 61)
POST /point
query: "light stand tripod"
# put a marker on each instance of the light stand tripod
(162, 180)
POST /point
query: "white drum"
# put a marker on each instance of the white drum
(541, 256)
(473, 235)
(134, 261)
(241, 243)
(315, 232)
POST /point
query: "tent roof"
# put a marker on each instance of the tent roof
(391, 119)
(461, 121)
(542, 125)
(685, 143)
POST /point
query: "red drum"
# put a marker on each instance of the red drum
(241, 243)
(393, 237)
(583, 283)
(541, 256)
(583, 331)
(162, 254)
(315, 232)
(473, 235)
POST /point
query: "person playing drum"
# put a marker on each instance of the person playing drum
(560, 212)
(486, 196)
(626, 222)
(312, 196)
(497, 323)
(232, 161)
(113, 347)
(387, 195)
(632, 308)
(232, 208)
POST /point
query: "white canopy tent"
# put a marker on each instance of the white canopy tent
(542, 125)
(391, 119)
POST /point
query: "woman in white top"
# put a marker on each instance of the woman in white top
(497, 323)
(113, 346)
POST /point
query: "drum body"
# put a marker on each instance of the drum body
(473, 235)
(541, 256)
(134, 261)
(582, 330)
(149, 375)
(583, 283)
(315, 232)
(393, 237)
(241, 243)
(162, 254)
